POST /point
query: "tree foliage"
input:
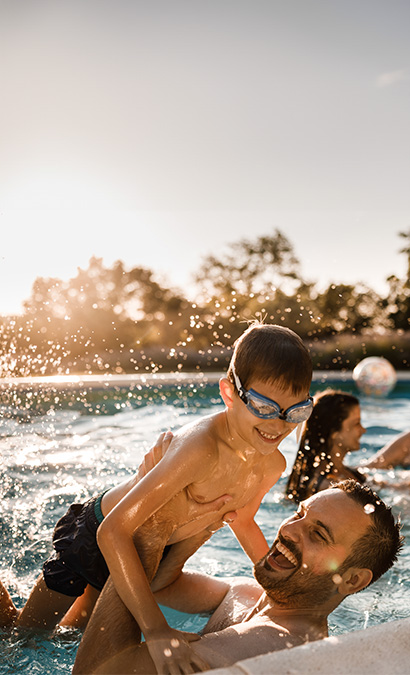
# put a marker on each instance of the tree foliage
(117, 319)
(250, 267)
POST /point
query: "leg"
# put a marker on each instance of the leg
(8, 612)
(81, 609)
(110, 631)
(44, 608)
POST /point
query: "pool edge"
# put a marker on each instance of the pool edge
(379, 650)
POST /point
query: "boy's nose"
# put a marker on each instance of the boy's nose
(281, 425)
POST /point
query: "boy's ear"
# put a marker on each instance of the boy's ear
(354, 579)
(227, 391)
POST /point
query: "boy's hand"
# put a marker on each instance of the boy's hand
(172, 654)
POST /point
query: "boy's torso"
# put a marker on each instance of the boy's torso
(182, 517)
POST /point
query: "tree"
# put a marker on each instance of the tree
(397, 303)
(249, 267)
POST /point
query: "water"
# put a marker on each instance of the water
(62, 446)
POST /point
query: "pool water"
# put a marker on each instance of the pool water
(60, 446)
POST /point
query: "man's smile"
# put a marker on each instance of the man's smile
(281, 558)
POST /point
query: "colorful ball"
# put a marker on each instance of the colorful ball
(375, 376)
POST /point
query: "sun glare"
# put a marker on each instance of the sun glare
(45, 190)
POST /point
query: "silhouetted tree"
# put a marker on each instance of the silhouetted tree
(249, 267)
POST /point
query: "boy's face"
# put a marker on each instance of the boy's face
(264, 434)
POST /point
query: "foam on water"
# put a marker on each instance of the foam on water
(65, 453)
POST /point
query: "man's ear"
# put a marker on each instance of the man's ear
(354, 579)
(227, 391)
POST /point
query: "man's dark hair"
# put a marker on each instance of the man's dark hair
(378, 548)
(271, 353)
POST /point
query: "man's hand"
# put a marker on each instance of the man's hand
(172, 654)
(155, 454)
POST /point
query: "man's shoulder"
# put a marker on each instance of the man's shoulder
(242, 595)
(245, 585)
(244, 640)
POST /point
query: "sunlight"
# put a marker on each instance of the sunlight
(44, 188)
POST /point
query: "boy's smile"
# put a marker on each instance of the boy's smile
(264, 434)
(271, 432)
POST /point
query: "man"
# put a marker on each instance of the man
(339, 541)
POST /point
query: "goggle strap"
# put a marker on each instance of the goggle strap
(238, 383)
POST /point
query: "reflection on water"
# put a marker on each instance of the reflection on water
(58, 447)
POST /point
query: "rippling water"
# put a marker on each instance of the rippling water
(59, 447)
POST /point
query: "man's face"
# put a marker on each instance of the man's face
(301, 568)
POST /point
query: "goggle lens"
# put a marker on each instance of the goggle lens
(266, 409)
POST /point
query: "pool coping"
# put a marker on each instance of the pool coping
(150, 379)
(378, 650)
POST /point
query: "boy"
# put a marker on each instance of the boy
(148, 527)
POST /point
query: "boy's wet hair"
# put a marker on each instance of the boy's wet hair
(330, 410)
(271, 353)
(378, 548)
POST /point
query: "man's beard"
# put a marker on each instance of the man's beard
(300, 589)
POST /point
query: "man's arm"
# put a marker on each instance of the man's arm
(221, 648)
(194, 593)
(110, 630)
(110, 641)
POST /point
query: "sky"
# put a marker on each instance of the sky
(157, 132)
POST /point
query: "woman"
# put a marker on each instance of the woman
(334, 429)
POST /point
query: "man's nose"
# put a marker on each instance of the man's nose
(291, 530)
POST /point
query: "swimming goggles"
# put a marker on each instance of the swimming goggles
(267, 409)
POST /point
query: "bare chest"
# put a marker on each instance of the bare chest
(238, 479)
(193, 509)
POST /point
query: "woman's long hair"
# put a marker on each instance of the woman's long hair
(329, 412)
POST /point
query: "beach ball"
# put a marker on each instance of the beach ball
(375, 376)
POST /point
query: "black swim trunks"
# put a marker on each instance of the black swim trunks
(77, 560)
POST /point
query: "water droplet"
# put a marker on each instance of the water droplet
(369, 508)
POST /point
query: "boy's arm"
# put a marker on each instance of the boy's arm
(247, 532)
(186, 463)
(244, 527)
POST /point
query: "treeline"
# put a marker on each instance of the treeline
(112, 319)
